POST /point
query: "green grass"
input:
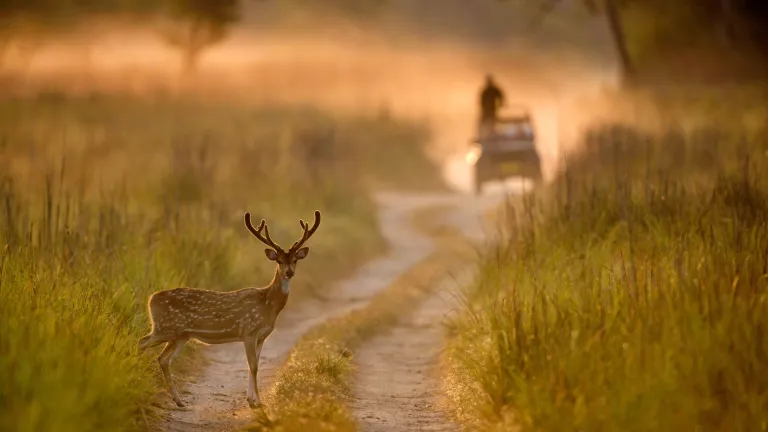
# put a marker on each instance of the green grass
(311, 392)
(106, 200)
(631, 296)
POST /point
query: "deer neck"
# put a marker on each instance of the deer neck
(279, 289)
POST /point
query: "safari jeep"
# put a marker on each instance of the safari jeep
(505, 148)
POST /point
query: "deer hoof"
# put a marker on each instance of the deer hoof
(179, 403)
(254, 403)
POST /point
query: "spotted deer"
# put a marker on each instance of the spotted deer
(211, 317)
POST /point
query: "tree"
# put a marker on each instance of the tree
(194, 25)
(737, 24)
(611, 9)
(619, 35)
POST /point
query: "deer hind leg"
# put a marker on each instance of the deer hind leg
(165, 358)
(253, 352)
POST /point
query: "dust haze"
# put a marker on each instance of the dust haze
(424, 60)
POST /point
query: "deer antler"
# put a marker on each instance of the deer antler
(257, 232)
(307, 231)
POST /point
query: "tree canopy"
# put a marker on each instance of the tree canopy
(672, 25)
(194, 25)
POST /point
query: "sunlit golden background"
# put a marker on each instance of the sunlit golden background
(421, 60)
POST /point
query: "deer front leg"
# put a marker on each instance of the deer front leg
(165, 358)
(253, 352)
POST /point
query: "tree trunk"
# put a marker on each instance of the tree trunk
(193, 48)
(619, 39)
(190, 59)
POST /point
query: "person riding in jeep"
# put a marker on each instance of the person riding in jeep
(491, 99)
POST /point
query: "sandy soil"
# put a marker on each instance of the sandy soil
(216, 396)
(396, 381)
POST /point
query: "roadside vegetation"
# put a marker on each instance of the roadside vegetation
(632, 294)
(312, 390)
(106, 200)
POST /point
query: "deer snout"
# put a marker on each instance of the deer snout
(289, 273)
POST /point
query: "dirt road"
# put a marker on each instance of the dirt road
(216, 396)
(397, 384)
(396, 381)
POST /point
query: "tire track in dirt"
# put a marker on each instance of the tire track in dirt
(216, 394)
(397, 382)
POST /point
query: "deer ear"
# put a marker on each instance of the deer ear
(271, 254)
(302, 253)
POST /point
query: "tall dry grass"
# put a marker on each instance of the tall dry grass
(106, 200)
(631, 296)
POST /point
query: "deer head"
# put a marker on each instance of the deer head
(285, 260)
